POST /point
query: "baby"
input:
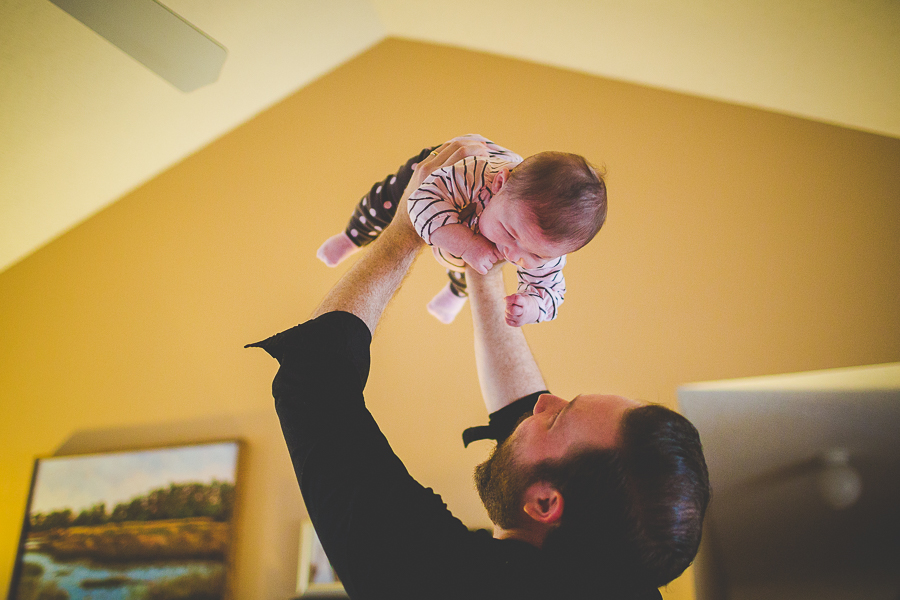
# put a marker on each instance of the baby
(485, 209)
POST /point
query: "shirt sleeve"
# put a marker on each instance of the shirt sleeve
(546, 284)
(369, 513)
(447, 191)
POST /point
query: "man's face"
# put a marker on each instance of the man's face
(556, 428)
(517, 236)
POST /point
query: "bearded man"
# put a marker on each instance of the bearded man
(598, 497)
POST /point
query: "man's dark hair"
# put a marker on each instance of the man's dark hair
(635, 511)
(565, 194)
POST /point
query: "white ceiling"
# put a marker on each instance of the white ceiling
(81, 123)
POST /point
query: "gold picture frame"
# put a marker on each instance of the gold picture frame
(128, 523)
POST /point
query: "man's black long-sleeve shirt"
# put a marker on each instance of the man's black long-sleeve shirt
(386, 536)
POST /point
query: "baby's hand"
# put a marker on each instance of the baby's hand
(481, 254)
(521, 309)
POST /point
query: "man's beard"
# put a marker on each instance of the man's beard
(501, 484)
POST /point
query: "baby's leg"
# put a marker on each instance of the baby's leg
(450, 300)
(458, 283)
(372, 214)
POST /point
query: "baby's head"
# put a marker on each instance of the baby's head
(551, 204)
(564, 193)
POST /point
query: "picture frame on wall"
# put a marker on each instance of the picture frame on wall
(140, 523)
(315, 575)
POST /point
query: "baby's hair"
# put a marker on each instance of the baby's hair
(564, 192)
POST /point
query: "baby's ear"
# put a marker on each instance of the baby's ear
(500, 180)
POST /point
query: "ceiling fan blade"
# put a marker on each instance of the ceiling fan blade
(154, 36)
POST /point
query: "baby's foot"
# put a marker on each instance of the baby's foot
(335, 249)
(446, 305)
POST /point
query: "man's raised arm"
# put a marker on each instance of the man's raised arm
(507, 370)
(371, 282)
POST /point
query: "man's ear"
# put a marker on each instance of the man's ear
(543, 503)
(499, 180)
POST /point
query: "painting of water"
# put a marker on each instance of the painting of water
(140, 525)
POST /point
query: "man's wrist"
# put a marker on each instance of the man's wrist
(402, 233)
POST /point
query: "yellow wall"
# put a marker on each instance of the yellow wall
(739, 243)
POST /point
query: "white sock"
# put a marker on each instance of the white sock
(446, 305)
(335, 249)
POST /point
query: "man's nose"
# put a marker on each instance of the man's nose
(548, 402)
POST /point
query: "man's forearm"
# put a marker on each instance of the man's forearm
(506, 367)
(369, 285)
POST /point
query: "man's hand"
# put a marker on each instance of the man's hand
(481, 254)
(445, 155)
(521, 309)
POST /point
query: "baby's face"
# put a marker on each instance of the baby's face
(516, 234)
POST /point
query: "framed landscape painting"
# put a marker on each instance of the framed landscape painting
(139, 525)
